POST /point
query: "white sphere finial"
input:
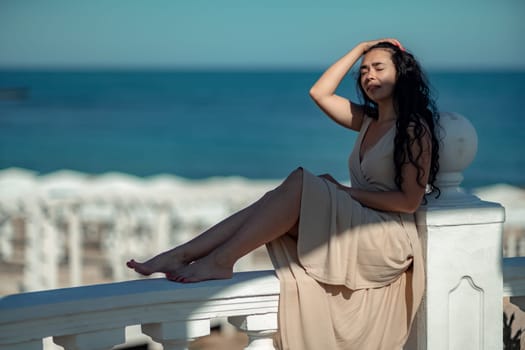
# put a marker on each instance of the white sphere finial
(458, 148)
(458, 145)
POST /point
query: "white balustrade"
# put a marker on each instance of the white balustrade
(95, 317)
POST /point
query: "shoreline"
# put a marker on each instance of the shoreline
(212, 196)
(88, 178)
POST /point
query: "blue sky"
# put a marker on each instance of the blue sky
(446, 34)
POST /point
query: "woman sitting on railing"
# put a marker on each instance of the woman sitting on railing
(348, 258)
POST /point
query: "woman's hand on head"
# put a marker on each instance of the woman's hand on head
(366, 45)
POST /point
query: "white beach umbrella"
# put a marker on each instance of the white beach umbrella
(117, 185)
(18, 173)
(15, 183)
(63, 184)
(164, 186)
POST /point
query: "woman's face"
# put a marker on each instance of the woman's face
(378, 75)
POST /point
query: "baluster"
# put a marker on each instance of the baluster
(123, 226)
(98, 340)
(6, 234)
(511, 245)
(176, 335)
(259, 328)
(162, 226)
(51, 251)
(34, 277)
(75, 245)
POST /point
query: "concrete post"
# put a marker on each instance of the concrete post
(462, 242)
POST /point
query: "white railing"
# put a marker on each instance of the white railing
(94, 317)
(173, 314)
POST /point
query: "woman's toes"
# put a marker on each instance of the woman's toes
(131, 264)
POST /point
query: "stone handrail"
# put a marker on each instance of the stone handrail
(95, 317)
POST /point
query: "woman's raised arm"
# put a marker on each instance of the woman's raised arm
(340, 109)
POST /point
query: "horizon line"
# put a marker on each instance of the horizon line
(236, 69)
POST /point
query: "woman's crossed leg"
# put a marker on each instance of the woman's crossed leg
(212, 254)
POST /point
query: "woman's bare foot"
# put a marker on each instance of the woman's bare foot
(206, 268)
(168, 262)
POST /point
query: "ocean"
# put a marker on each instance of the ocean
(200, 124)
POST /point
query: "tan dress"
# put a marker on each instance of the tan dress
(354, 278)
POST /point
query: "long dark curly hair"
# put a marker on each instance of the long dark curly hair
(416, 110)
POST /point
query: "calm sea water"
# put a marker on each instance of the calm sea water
(254, 124)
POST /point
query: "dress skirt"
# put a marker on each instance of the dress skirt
(354, 277)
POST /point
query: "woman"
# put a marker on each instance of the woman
(348, 258)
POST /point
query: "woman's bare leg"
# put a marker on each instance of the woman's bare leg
(275, 216)
(171, 261)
